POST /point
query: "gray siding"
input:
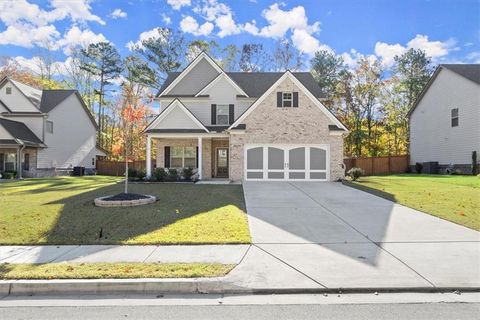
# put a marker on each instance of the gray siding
(16, 101)
(177, 119)
(196, 79)
(432, 138)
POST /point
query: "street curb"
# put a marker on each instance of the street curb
(184, 286)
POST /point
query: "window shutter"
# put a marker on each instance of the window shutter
(231, 113)
(167, 157)
(295, 99)
(279, 99)
(214, 114)
(196, 157)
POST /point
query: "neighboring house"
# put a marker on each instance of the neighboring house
(44, 132)
(445, 120)
(245, 126)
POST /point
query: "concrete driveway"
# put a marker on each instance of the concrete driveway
(327, 235)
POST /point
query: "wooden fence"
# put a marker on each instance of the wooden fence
(117, 168)
(378, 165)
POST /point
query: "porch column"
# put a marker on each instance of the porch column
(19, 163)
(149, 157)
(200, 158)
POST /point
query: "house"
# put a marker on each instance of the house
(245, 126)
(445, 120)
(44, 132)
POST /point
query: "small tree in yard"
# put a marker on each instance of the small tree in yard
(355, 173)
(131, 117)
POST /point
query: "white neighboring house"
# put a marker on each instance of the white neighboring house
(45, 132)
(445, 120)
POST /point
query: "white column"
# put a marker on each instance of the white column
(149, 157)
(19, 163)
(200, 174)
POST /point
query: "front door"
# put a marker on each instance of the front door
(222, 162)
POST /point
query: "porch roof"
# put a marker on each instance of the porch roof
(21, 134)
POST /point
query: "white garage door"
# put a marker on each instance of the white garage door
(287, 162)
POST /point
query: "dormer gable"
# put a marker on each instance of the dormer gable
(18, 97)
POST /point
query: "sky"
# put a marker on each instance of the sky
(449, 31)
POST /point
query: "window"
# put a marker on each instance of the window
(93, 161)
(2, 162)
(8, 90)
(223, 114)
(49, 127)
(10, 162)
(287, 99)
(183, 157)
(455, 117)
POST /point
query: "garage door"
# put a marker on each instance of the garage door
(287, 162)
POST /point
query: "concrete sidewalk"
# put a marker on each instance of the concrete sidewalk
(226, 254)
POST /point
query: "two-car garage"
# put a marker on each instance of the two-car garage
(287, 162)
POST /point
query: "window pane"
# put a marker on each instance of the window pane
(455, 122)
(176, 162)
(190, 163)
(222, 119)
(222, 109)
(287, 96)
(176, 152)
(455, 112)
(190, 152)
(10, 162)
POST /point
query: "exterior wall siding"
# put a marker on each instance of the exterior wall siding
(268, 124)
(16, 101)
(432, 138)
(177, 119)
(73, 142)
(196, 79)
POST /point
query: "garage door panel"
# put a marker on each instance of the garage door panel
(255, 158)
(296, 175)
(318, 159)
(276, 158)
(318, 175)
(276, 175)
(296, 160)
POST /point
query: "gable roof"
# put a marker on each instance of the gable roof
(254, 84)
(31, 93)
(21, 132)
(175, 103)
(52, 98)
(299, 84)
(468, 71)
(216, 79)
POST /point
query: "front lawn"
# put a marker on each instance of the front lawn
(60, 211)
(453, 198)
(111, 270)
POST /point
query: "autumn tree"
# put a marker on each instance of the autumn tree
(254, 58)
(286, 57)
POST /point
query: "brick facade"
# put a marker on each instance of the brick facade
(268, 124)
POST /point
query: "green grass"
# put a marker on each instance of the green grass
(61, 211)
(112, 270)
(453, 198)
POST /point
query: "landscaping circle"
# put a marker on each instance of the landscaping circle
(124, 200)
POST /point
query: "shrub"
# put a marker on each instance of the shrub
(187, 173)
(172, 175)
(418, 167)
(355, 173)
(160, 174)
(474, 163)
(7, 175)
(141, 174)
(132, 173)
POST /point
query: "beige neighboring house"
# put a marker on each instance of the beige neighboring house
(44, 132)
(445, 120)
(245, 126)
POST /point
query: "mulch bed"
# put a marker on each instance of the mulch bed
(125, 197)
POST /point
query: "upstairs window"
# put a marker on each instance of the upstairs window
(223, 114)
(49, 126)
(455, 117)
(8, 90)
(287, 98)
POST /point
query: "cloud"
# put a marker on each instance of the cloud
(25, 35)
(177, 4)
(166, 19)
(149, 34)
(118, 13)
(221, 15)
(78, 10)
(190, 25)
(77, 37)
(474, 57)
(34, 64)
(227, 26)
(434, 49)
(306, 43)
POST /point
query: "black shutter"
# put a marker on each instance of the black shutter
(214, 114)
(196, 156)
(167, 157)
(295, 99)
(279, 99)
(231, 113)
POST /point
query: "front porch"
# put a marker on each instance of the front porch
(17, 161)
(210, 152)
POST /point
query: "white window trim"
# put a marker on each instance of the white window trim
(8, 90)
(454, 117)
(223, 114)
(46, 126)
(284, 100)
(183, 156)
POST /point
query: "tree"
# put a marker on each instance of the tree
(78, 78)
(413, 69)
(102, 61)
(253, 58)
(327, 69)
(286, 57)
(164, 53)
(229, 58)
